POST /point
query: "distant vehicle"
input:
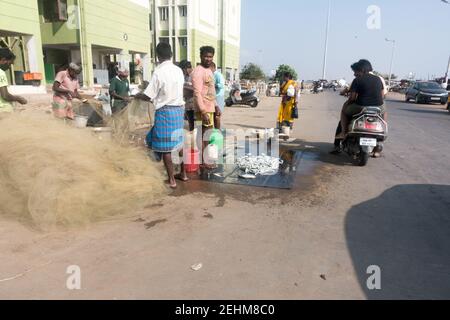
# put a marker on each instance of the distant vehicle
(448, 104)
(426, 92)
(242, 97)
(318, 87)
(273, 89)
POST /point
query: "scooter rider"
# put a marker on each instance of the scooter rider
(236, 93)
(357, 70)
(366, 90)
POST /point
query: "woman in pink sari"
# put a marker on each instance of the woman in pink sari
(65, 89)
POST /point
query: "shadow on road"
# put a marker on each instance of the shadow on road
(406, 232)
(433, 111)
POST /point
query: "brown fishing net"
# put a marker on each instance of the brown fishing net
(52, 174)
(132, 123)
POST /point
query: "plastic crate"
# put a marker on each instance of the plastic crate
(32, 76)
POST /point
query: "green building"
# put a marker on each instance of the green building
(96, 34)
(19, 31)
(190, 24)
(101, 35)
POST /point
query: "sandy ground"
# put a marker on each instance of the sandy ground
(313, 242)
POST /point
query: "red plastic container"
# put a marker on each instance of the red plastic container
(192, 160)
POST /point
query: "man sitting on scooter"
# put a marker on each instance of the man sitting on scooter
(366, 91)
(236, 93)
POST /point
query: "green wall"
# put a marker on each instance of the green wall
(19, 16)
(117, 24)
(22, 16)
(183, 52)
(54, 33)
(107, 22)
(231, 55)
(227, 55)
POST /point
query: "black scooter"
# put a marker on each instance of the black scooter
(367, 132)
(248, 98)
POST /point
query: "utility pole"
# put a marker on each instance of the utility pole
(392, 60)
(324, 71)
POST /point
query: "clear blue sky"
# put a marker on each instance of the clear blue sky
(293, 32)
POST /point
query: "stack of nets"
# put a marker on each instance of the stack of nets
(52, 174)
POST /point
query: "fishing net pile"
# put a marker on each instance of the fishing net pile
(133, 121)
(53, 175)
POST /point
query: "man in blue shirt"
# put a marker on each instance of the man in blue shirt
(220, 94)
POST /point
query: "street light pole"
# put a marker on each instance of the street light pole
(324, 71)
(392, 60)
(448, 72)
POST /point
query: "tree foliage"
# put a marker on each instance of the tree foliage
(282, 69)
(252, 72)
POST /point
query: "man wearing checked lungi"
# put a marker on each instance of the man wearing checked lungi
(166, 92)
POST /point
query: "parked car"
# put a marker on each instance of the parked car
(448, 104)
(448, 90)
(426, 92)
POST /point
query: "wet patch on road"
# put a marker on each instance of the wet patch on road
(309, 184)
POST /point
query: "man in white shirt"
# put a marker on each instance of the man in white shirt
(166, 92)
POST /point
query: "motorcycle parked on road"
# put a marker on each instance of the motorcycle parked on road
(318, 88)
(367, 133)
(247, 98)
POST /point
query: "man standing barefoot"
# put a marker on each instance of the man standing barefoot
(205, 93)
(166, 92)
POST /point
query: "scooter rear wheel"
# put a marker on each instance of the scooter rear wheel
(362, 159)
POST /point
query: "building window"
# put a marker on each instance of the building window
(164, 13)
(183, 42)
(183, 11)
(55, 10)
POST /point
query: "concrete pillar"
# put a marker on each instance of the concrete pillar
(85, 48)
(124, 59)
(88, 69)
(147, 65)
(35, 56)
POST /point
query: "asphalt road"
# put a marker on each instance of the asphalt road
(316, 241)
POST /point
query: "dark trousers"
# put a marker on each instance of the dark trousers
(337, 143)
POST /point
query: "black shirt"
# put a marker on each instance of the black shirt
(369, 89)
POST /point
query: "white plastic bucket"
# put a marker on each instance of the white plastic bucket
(212, 154)
(286, 131)
(81, 121)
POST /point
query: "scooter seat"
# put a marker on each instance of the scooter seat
(376, 110)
